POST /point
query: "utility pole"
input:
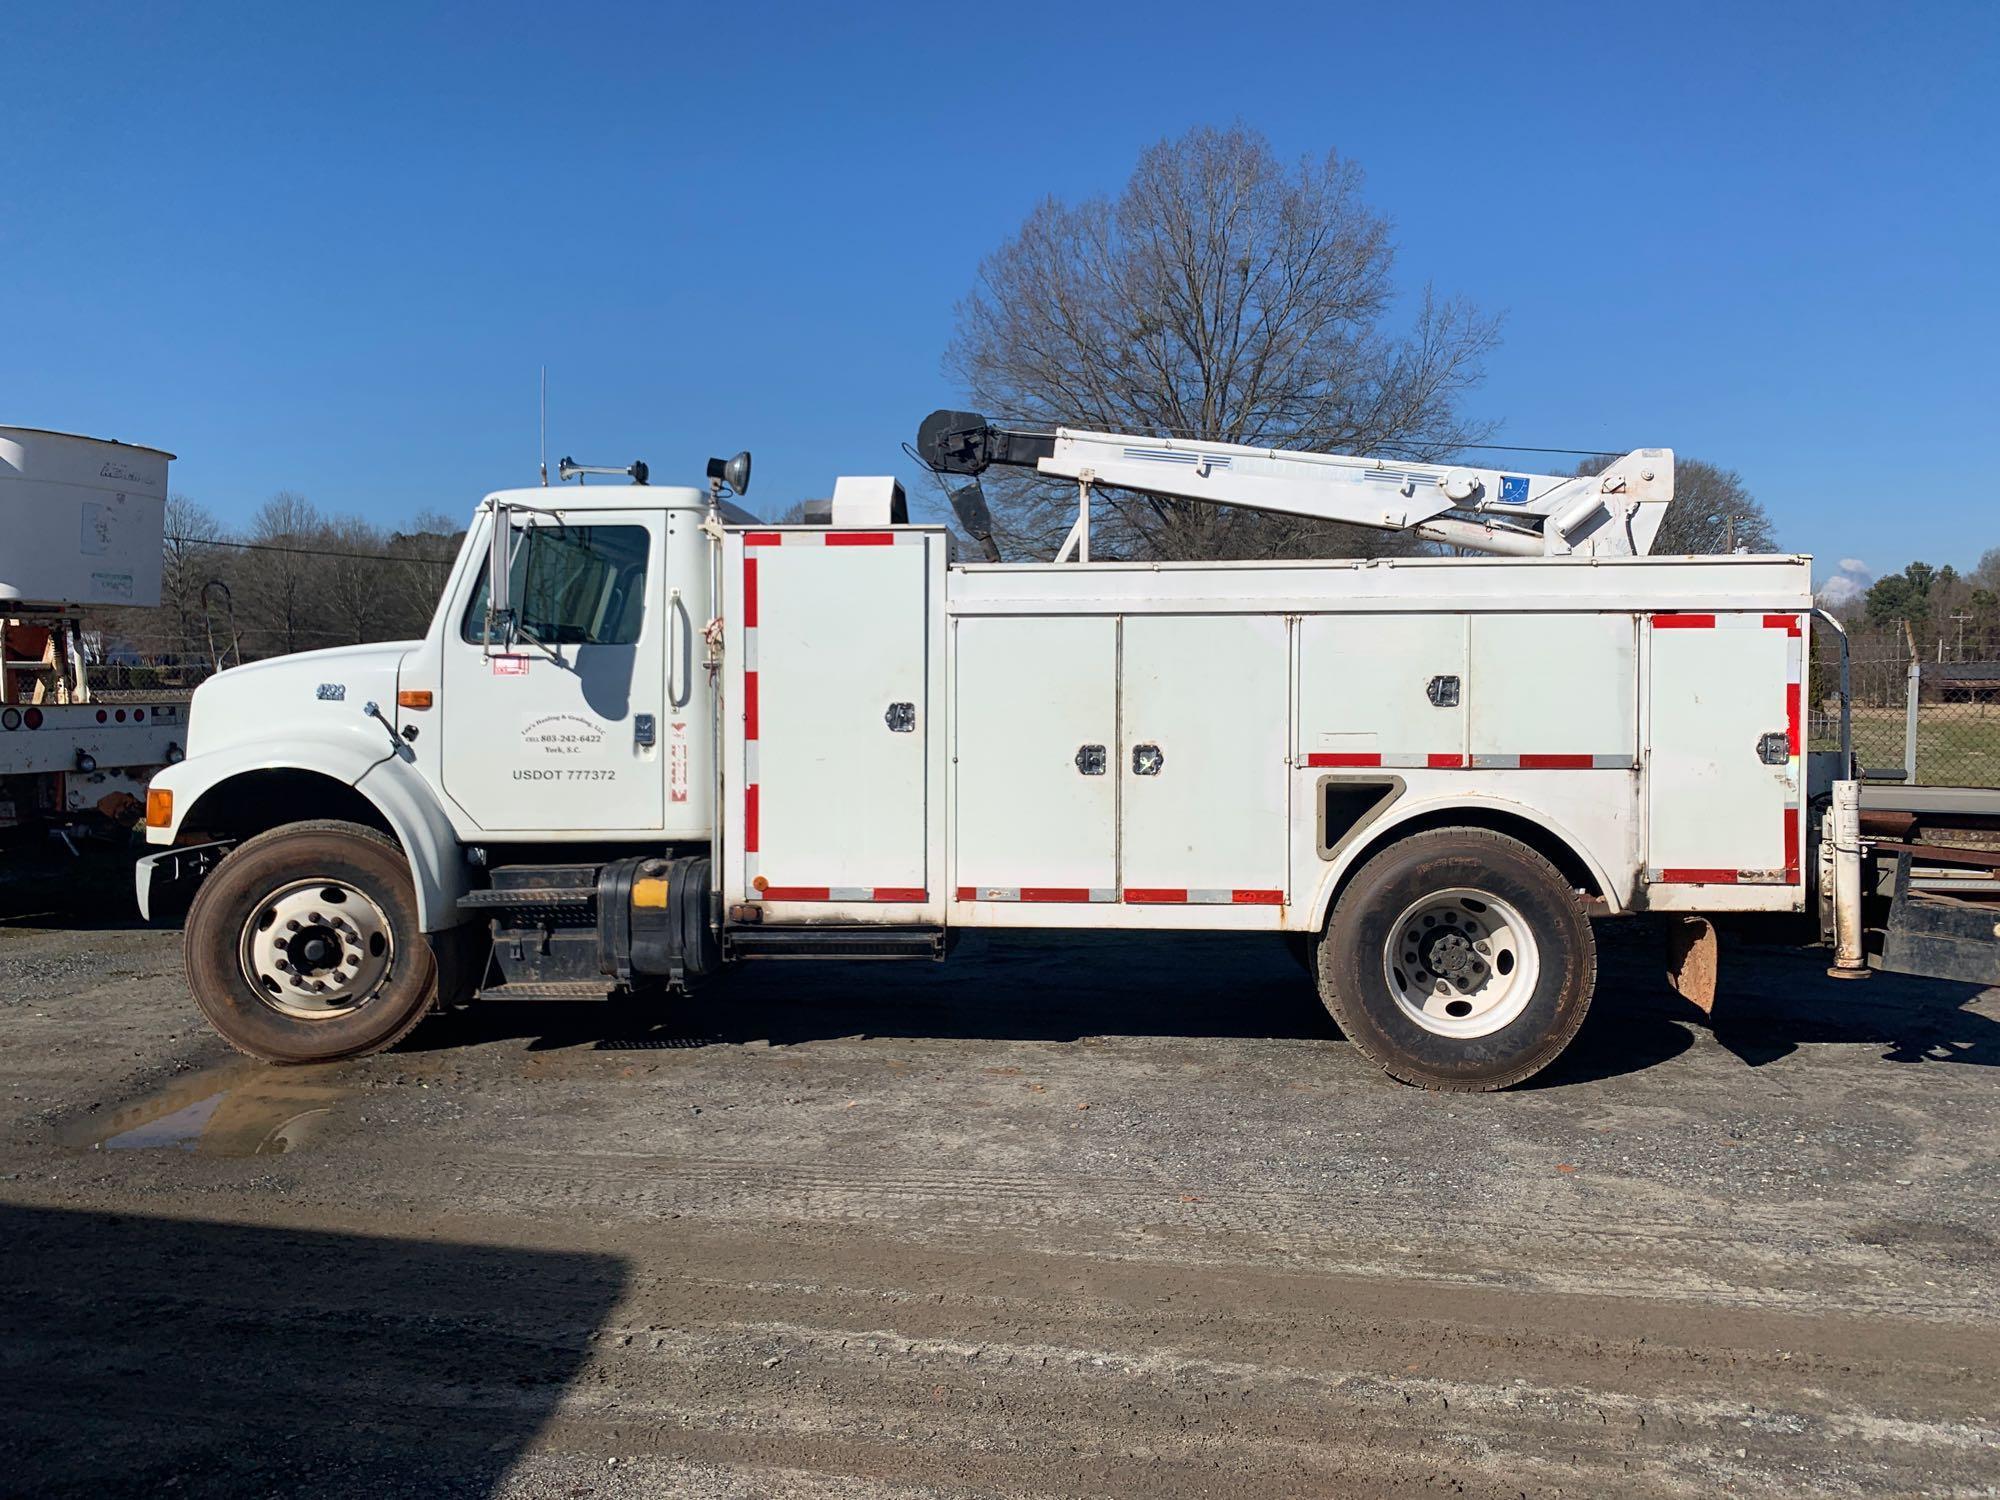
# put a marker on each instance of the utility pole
(1959, 617)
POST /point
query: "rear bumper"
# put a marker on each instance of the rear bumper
(169, 877)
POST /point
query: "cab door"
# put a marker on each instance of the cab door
(558, 731)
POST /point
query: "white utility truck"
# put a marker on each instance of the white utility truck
(80, 525)
(647, 735)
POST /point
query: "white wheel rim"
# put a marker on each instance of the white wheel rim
(1461, 963)
(316, 949)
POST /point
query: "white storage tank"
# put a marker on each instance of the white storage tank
(80, 519)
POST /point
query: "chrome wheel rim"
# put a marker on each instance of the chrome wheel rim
(1461, 963)
(317, 949)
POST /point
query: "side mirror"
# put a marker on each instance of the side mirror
(499, 579)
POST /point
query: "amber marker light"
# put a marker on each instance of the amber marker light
(413, 698)
(159, 807)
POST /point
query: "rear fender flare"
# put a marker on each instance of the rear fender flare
(1382, 832)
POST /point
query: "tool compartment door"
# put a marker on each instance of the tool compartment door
(1722, 767)
(1036, 740)
(836, 715)
(1203, 810)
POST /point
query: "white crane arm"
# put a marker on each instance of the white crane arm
(1613, 514)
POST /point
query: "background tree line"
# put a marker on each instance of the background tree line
(1948, 615)
(294, 579)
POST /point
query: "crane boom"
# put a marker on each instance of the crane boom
(1613, 514)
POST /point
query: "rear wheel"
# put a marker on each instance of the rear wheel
(1458, 959)
(304, 945)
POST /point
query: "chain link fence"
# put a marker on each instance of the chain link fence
(1934, 723)
(146, 682)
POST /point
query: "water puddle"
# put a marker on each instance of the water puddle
(245, 1109)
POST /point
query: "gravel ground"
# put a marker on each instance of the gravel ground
(1064, 1215)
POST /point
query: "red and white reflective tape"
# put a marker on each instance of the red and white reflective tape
(1130, 895)
(1444, 760)
(1795, 666)
(758, 888)
(752, 828)
(1057, 895)
(1148, 896)
(1675, 875)
(827, 537)
(1794, 815)
(1790, 624)
(909, 893)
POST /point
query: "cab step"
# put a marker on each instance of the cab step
(531, 895)
(552, 989)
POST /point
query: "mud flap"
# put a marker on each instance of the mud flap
(1938, 937)
(1692, 961)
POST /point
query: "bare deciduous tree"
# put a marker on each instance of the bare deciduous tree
(424, 555)
(297, 580)
(1220, 296)
(282, 601)
(353, 580)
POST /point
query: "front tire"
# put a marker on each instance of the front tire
(304, 945)
(1460, 960)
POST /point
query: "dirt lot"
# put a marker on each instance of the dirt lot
(1062, 1216)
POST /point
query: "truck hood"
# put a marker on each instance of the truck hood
(310, 694)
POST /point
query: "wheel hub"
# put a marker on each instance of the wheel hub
(317, 948)
(1461, 963)
(1449, 955)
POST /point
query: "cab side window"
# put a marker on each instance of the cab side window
(572, 586)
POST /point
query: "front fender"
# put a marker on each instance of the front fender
(391, 785)
(1408, 810)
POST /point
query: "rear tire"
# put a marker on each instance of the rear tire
(304, 945)
(1458, 960)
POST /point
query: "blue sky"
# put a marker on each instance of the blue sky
(327, 248)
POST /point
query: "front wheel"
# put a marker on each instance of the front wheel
(1458, 959)
(304, 945)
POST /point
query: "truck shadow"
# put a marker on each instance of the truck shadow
(1011, 986)
(44, 884)
(1064, 986)
(1773, 1000)
(161, 1356)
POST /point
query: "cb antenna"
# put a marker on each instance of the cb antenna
(545, 426)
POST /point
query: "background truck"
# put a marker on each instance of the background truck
(80, 526)
(647, 735)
